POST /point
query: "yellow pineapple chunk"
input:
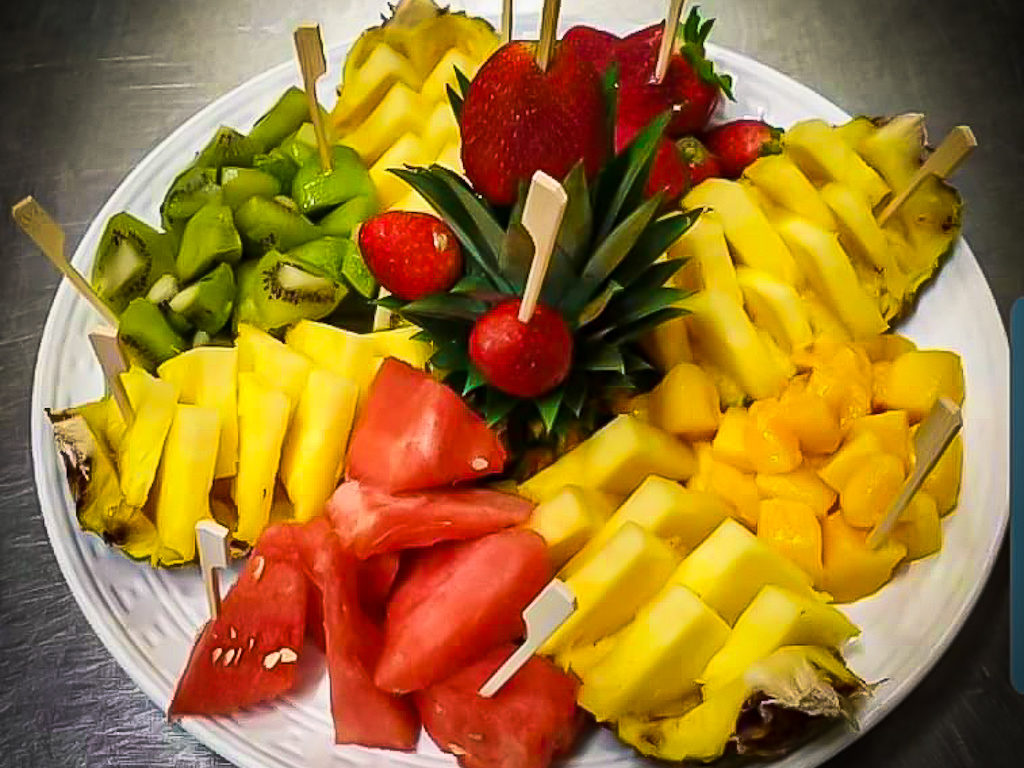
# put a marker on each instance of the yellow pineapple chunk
(919, 528)
(830, 274)
(450, 157)
(439, 130)
(729, 340)
(412, 201)
(435, 86)
(352, 356)
(778, 177)
(853, 570)
(273, 362)
(656, 659)
(792, 529)
(859, 232)
(612, 585)
(708, 264)
(844, 463)
(400, 344)
(685, 403)
(396, 114)
(855, 131)
(775, 618)
(943, 482)
(821, 153)
(803, 485)
(775, 307)
(892, 429)
(730, 443)
(825, 325)
(894, 149)
(917, 379)
(569, 519)
(752, 240)
(580, 659)
(678, 515)
(141, 445)
(263, 414)
(615, 459)
(731, 566)
(668, 344)
(407, 150)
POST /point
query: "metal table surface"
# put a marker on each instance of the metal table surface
(88, 88)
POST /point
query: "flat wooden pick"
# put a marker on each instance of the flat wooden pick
(542, 216)
(950, 154)
(49, 236)
(934, 435)
(309, 46)
(108, 351)
(506, 21)
(548, 33)
(668, 38)
(212, 543)
(543, 616)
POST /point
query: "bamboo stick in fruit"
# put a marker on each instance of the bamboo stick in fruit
(212, 543)
(108, 352)
(668, 38)
(542, 216)
(506, 21)
(309, 46)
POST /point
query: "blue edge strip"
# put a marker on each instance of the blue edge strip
(1017, 496)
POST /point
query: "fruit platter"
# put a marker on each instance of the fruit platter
(611, 313)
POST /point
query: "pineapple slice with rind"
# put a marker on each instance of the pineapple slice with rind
(398, 113)
(775, 307)
(708, 265)
(366, 86)
(819, 151)
(778, 177)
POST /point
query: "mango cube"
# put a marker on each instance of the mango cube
(943, 482)
(917, 379)
(730, 443)
(843, 377)
(731, 566)
(803, 485)
(892, 429)
(685, 403)
(657, 657)
(612, 585)
(792, 529)
(737, 488)
(869, 492)
(772, 447)
(885, 347)
(568, 520)
(845, 462)
(851, 569)
(919, 528)
(615, 459)
(776, 618)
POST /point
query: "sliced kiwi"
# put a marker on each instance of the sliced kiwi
(278, 165)
(298, 149)
(209, 238)
(227, 147)
(281, 120)
(207, 303)
(146, 335)
(245, 304)
(130, 258)
(286, 291)
(194, 188)
(163, 290)
(315, 190)
(239, 184)
(343, 219)
(339, 259)
(267, 225)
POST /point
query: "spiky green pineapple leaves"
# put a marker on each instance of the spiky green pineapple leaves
(694, 33)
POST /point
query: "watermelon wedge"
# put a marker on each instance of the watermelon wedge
(457, 602)
(530, 721)
(249, 654)
(376, 577)
(415, 433)
(370, 521)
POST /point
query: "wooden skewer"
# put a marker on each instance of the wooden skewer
(108, 351)
(933, 437)
(548, 33)
(953, 150)
(212, 543)
(543, 616)
(668, 38)
(310, 48)
(542, 216)
(48, 235)
(506, 21)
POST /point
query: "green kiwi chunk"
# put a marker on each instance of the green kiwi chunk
(299, 148)
(163, 290)
(343, 220)
(281, 120)
(245, 304)
(239, 184)
(268, 225)
(286, 291)
(315, 190)
(209, 238)
(339, 259)
(277, 164)
(207, 303)
(146, 335)
(227, 147)
(130, 258)
(191, 190)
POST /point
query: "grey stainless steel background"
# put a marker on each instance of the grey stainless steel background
(88, 87)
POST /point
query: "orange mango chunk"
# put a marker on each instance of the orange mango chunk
(920, 528)
(851, 569)
(885, 347)
(892, 428)
(792, 529)
(943, 482)
(802, 484)
(730, 443)
(809, 416)
(917, 379)
(771, 446)
(685, 403)
(848, 459)
(866, 496)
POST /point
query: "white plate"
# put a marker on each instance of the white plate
(147, 619)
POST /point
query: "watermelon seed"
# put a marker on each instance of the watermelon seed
(238, 658)
(271, 659)
(479, 464)
(476, 736)
(288, 656)
(229, 656)
(455, 749)
(216, 654)
(257, 570)
(232, 633)
(252, 642)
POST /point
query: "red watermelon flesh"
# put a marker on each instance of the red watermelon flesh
(530, 721)
(457, 602)
(371, 522)
(415, 433)
(250, 653)
(376, 577)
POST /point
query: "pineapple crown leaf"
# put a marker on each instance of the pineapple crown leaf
(610, 89)
(456, 101)
(463, 82)
(549, 406)
(694, 34)
(652, 243)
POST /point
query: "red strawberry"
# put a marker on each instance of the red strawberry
(517, 119)
(593, 45)
(668, 174)
(700, 163)
(412, 254)
(741, 142)
(522, 359)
